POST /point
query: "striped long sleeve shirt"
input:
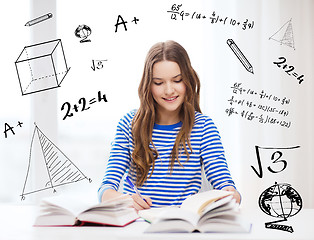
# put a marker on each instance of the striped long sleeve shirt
(163, 187)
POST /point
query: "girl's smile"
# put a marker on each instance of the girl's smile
(172, 99)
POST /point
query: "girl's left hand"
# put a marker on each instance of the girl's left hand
(236, 194)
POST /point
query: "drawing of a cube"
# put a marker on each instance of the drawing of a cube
(41, 67)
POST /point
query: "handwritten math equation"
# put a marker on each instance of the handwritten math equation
(289, 69)
(276, 164)
(82, 105)
(214, 18)
(241, 104)
(9, 128)
(97, 64)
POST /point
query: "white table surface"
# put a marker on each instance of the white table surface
(16, 223)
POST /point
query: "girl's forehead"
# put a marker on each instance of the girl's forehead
(166, 69)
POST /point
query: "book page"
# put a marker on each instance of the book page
(221, 203)
(172, 226)
(151, 214)
(68, 204)
(154, 215)
(76, 205)
(197, 202)
(178, 213)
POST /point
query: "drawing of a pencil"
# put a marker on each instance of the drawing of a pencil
(240, 55)
(39, 19)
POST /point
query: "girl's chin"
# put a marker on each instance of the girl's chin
(170, 110)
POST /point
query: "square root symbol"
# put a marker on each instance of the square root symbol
(41, 67)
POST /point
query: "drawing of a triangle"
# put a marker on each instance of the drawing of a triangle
(51, 164)
(284, 35)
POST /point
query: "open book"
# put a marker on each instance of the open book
(210, 211)
(70, 211)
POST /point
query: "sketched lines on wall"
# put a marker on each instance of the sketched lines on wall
(56, 168)
(284, 35)
(236, 50)
(41, 67)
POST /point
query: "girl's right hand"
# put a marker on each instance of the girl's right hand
(140, 204)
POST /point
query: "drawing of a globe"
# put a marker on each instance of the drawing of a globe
(280, 200)
(83, 31)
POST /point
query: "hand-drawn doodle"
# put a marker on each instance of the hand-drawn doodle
(288, 69)
(98, 65)
(83, 31)
(59, 168)
(280, 201)
(270, 114)
(41, 67)
(277, 153)
(82, 101)
(284, 35)
(214, 18)
(39, 19)
(240, 55)
(7, 128)
(120, 21)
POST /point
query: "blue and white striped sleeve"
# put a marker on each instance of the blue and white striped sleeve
(212, 153)
(120, 157)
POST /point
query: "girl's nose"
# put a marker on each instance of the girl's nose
(169, 89)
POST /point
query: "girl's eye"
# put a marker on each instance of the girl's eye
(178, 81)
(158, 83)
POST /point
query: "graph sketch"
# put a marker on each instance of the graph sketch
(284, 35)
(41, 67)
(58, 169)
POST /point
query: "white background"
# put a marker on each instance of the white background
(86, 137)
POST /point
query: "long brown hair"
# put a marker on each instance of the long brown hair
(143, 122)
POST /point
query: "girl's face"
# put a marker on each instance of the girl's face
(168, 88)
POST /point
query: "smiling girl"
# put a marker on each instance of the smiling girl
(163, 145)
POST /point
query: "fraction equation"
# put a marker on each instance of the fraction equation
(262, 107)
(214, 18)
(289, 69)
(82, 105)
(258, 105)
(250, 115)
(238, 89)
(8, 127)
